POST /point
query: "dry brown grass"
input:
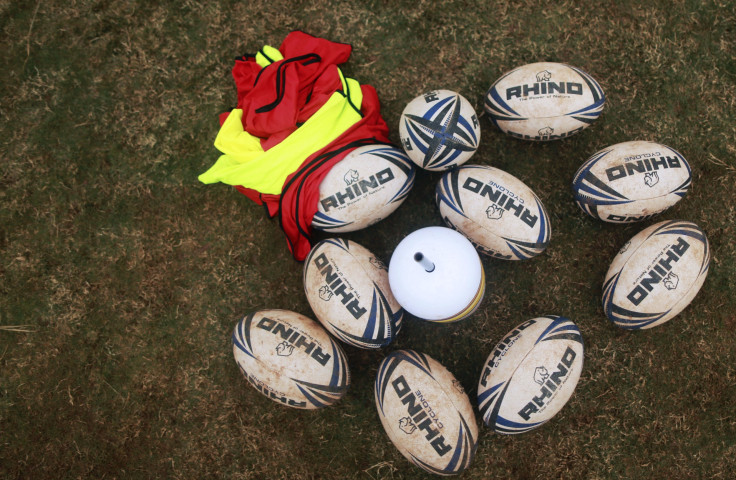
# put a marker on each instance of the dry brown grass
(122, 277)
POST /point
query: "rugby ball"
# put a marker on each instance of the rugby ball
(347, 287)
(363, 188)
(426, 412)
(656, 274)
(290, 359)
(631, 181)
(439, 130)
(531, 374)
(544, 101)
(498, 213)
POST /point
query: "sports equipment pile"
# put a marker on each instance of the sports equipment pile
(533, 370)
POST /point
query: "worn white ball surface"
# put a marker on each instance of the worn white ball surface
(530, 374)
(291, 359)
(363, 188)
(656, 274)
(631, 181)
(495, 210)
(544, 101)
(347, 287)
(426, 412)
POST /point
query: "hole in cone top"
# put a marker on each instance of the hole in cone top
(424, 262)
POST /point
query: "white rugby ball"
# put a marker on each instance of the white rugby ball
(290, 359)
(363, 188)
(495, 210)
(544, 101)
(631, 181)
(531, 374)
(656, 274)
(348, 289)
(426, 412)
(439, 130)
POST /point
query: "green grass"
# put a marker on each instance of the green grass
(128, 275)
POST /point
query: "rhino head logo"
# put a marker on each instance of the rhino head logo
(407, 426)
(541, 375)
(671, 281)
(494, 212)
(325, 293)
(546, 131)
(284, 349)
(377, 263)
(651, 179)
(351, 177)
(543, 76)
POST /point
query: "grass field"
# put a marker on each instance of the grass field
(121, 276)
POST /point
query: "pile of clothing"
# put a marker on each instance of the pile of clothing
(297, 115)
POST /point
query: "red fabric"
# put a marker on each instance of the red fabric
(223, 117)
(269, 200)
(289, 90)
(299, 201)
(300, 198)
(276, 100)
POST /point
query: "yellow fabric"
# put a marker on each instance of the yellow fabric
(232, 137)
(245, 163)
(267, 56)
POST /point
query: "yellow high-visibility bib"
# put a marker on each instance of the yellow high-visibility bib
(244, 162)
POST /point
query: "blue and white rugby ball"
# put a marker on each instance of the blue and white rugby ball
(348, 289)
(426, 412)
(366, 186)
(290, 359)
(656, 274)
(544, 101)
(631, 181)
(531, 374)
(498, 213)
(439, 130)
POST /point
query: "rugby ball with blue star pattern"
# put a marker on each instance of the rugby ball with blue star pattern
(498, 213)
(631, 181)
(290, 359)
(544, 101)
(439, 130)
